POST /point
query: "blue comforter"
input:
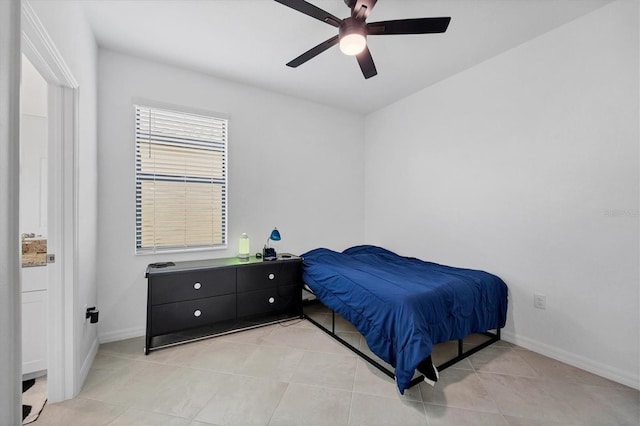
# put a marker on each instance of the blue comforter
(403, 306)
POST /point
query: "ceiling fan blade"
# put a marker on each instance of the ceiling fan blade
(366, 63)
(409, 26)
(311, 10)
(313, 52)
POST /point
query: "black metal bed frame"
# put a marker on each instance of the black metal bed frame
(494, 337)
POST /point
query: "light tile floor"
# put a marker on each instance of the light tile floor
(294, 374)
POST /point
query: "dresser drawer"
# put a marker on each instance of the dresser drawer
(176, 287)
(171, 317)
(268, 275)
(274, 300)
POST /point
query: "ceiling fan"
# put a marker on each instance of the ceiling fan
(353, 31)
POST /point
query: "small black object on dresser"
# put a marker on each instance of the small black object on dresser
(196, 299)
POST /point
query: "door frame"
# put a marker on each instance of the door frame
(62, 205)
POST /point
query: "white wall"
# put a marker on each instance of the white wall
(33, 151)
(33, 174)
(292, 164)
(66, 24)
(33, 90)
(527, 166)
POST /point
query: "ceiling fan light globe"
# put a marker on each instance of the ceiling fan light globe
(352, 44)
(353, 36)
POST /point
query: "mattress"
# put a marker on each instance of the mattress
(403, 305)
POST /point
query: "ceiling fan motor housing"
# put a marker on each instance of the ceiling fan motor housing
(352, 26)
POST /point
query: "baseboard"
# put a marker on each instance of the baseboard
(611, 373)
(34, 375)
(86, 364)
(128, 333)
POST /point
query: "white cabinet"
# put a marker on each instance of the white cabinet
(34, 319)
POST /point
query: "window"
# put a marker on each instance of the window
(181, 180)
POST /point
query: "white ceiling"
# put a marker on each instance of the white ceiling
(250, 41)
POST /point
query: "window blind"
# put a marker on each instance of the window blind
(181, 180)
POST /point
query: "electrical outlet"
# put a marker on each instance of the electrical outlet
(539, 301)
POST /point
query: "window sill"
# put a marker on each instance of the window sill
(144, 252)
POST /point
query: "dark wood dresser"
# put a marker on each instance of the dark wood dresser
(192, 300)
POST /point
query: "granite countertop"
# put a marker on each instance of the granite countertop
(34, 252)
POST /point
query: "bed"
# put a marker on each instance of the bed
(403, 306)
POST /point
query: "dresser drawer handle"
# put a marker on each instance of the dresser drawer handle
(272, 276)
(197, 286)
(271, 300)
(197, 313)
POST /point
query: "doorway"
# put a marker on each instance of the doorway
(34, 142)
(63, 378)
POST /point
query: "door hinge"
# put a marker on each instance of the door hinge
(51, 258)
